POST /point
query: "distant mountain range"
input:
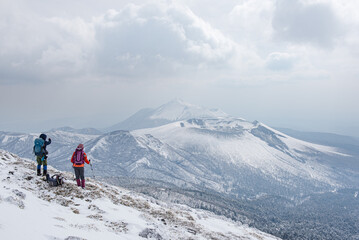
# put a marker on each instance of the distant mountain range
(350, 144)
(89, 131)
(198, 148)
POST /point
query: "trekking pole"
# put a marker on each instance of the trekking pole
(73, 172)
(92, 170)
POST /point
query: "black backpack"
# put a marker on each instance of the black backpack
(55, 180)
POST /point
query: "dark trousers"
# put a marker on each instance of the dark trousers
(80, 172)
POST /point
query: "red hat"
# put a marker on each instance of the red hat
(80, 146)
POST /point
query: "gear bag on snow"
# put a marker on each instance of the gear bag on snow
(79, 157)
(55, 180)
(39, 146)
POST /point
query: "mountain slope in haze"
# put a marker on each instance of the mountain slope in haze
(34, 210)
(167, 113)
(88, 131)
(346, 143)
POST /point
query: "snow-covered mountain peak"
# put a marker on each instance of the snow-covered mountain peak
(180, 110)
(172, 111)
(34, 210)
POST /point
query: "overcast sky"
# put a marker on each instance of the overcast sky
(83, 63)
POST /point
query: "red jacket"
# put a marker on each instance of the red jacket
(82, 165)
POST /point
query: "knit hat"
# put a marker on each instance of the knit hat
(80, 146)
(43, 136)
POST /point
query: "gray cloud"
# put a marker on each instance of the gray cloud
(155, 39)
(137, 41)
(297, 22)
(278, 61)
(37, 49)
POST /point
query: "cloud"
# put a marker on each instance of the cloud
(298, 22)
(157, 38)
(34, 48)
(278, 61)
(252, 20)
(152, 40)
(166, 40)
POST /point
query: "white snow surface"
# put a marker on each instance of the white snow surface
(179, 110)
(245, 149)
(31, 209)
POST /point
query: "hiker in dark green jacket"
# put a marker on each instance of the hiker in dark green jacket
(41, 153)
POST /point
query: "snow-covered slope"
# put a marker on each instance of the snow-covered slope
(240, 154)
(31, 209)
(244, 144)
(167, 113)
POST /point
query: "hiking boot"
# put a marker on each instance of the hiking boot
(44, 173)
(78, 182)
(83, 183)
(38, 172)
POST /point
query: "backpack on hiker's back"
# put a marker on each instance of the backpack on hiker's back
(78, 156)
(39, 144)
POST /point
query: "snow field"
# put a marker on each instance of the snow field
(245, 149)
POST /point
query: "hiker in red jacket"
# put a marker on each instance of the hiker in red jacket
(79, 158)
